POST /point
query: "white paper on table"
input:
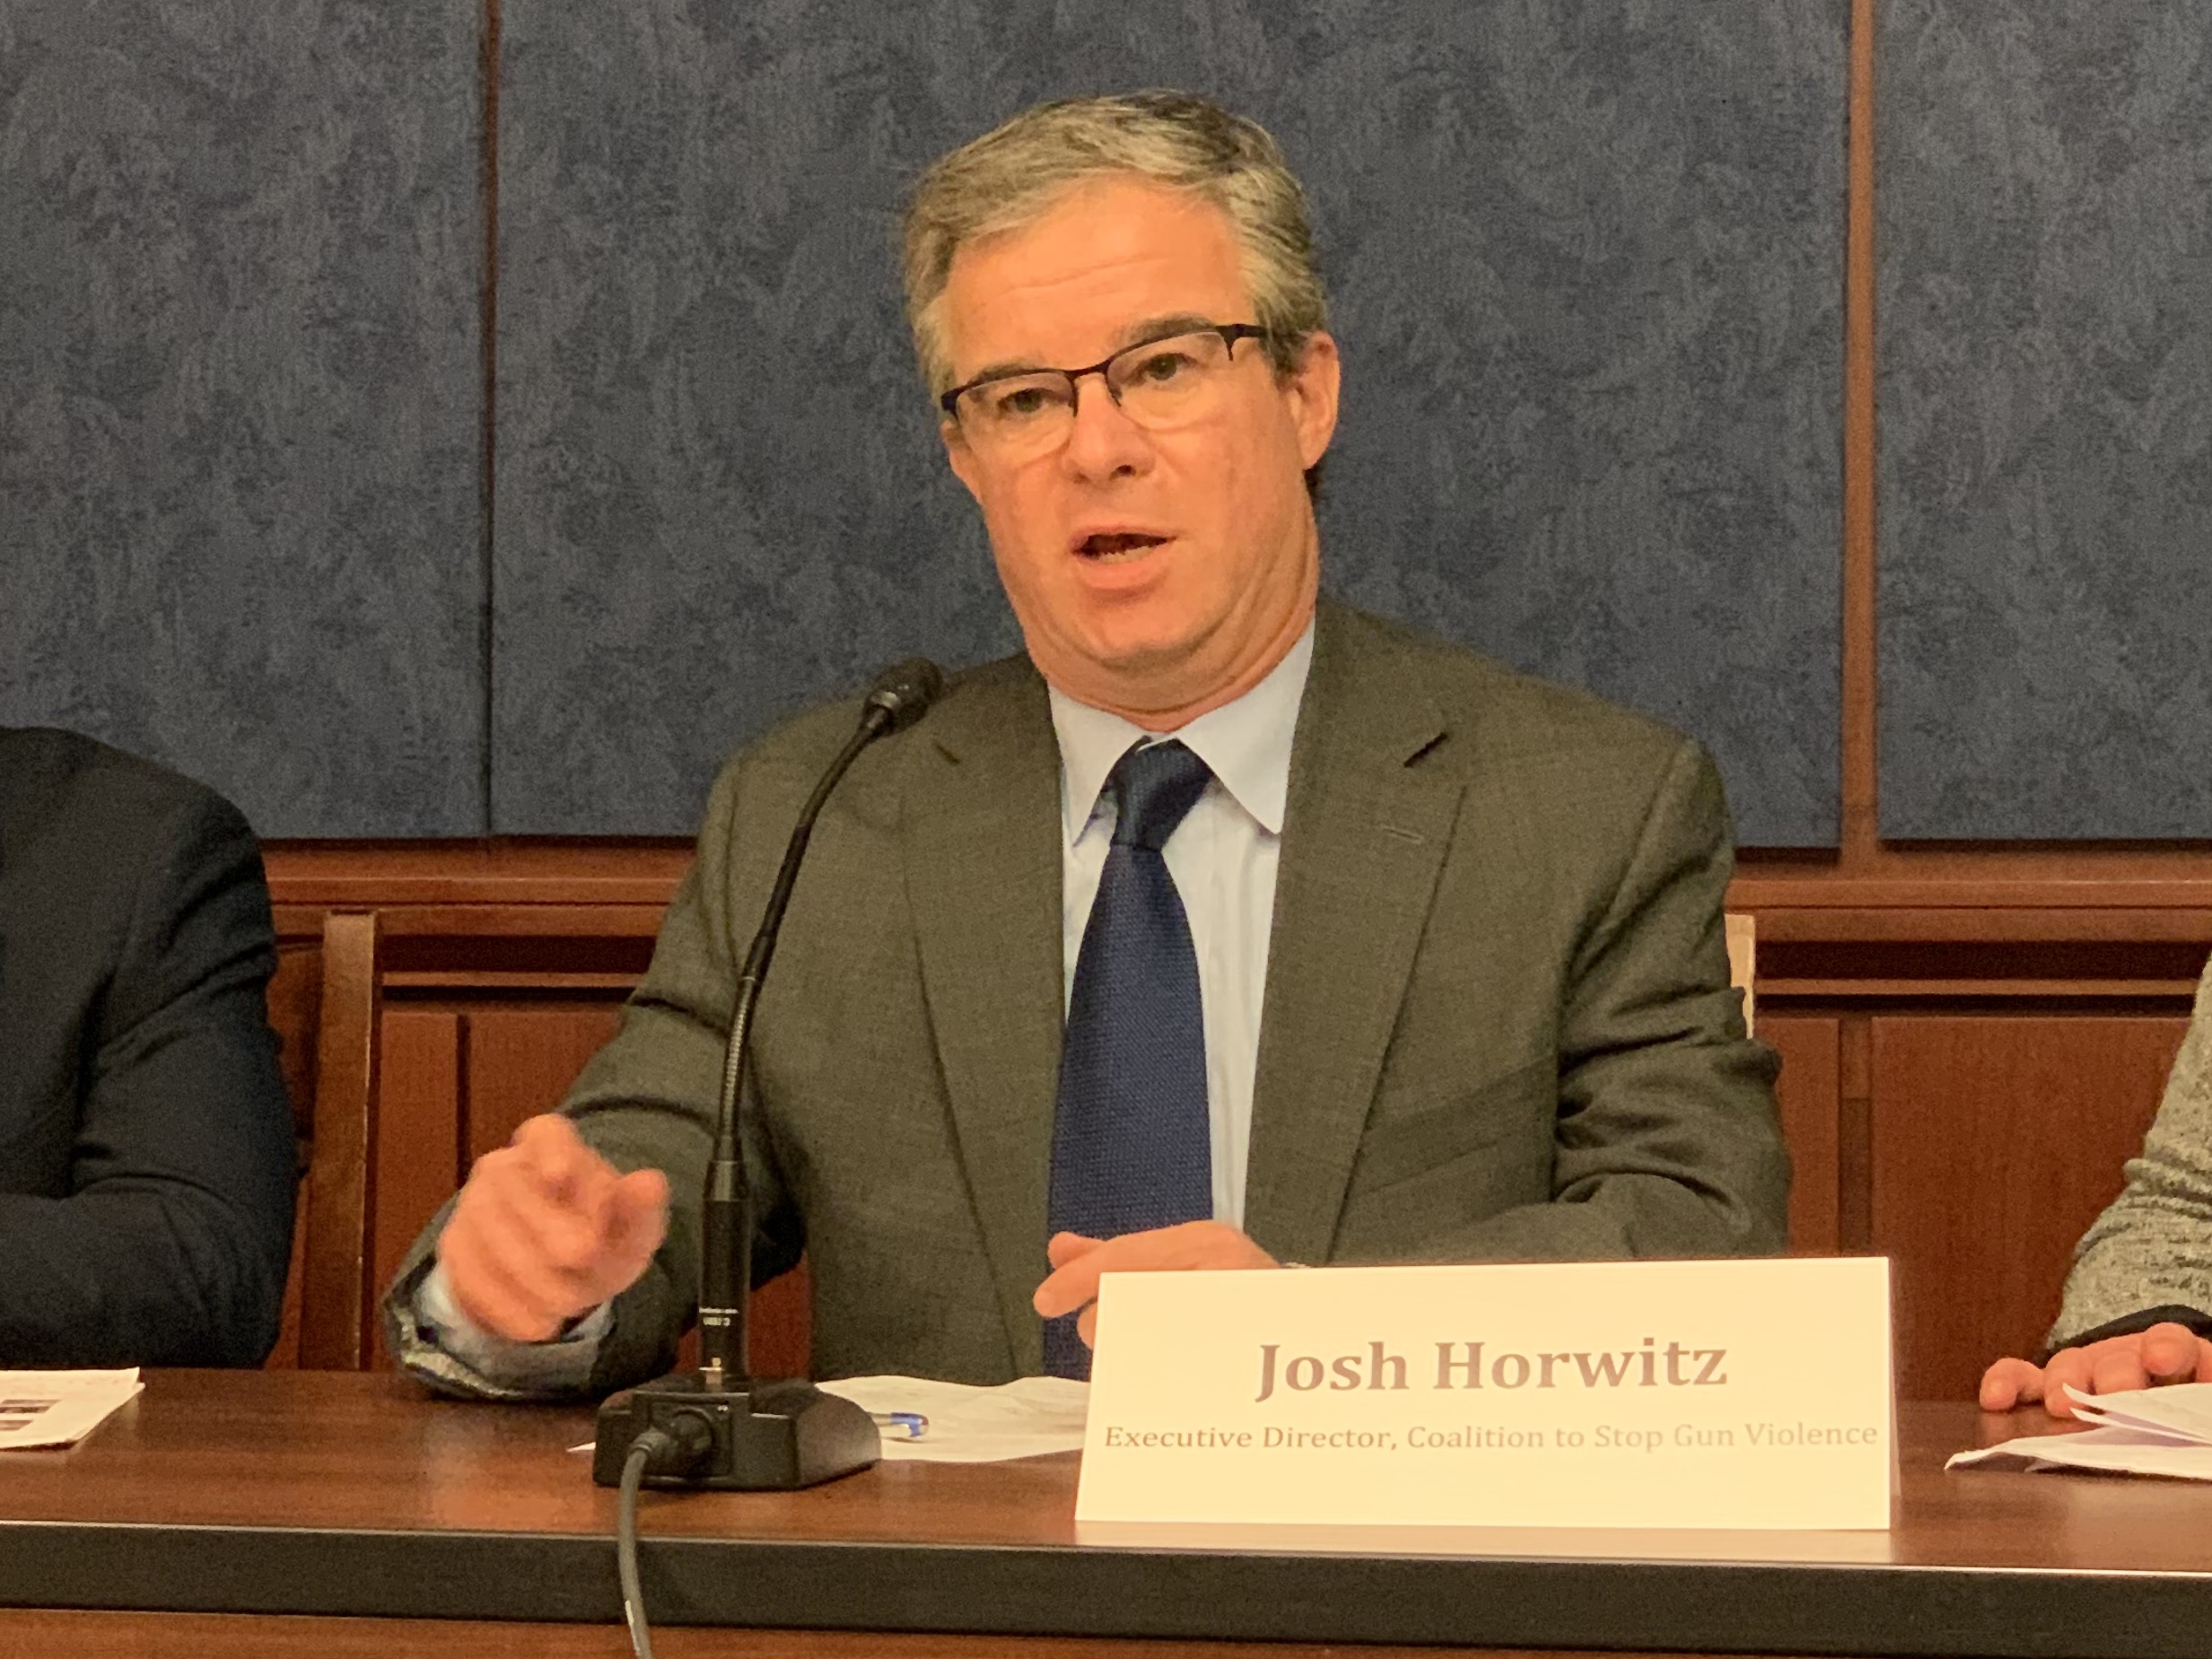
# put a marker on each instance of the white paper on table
(2159, 1431)
(1030, 1417)
(2181, 1410)
(60, 1407)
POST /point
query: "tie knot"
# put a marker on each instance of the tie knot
(1153, 788)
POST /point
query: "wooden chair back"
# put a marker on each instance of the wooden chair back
(327, 1006)
(1744, 958)
(295, 1012)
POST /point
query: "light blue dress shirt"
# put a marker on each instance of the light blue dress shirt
(1223, 857)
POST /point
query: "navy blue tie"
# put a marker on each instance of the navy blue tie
(1132, 1141)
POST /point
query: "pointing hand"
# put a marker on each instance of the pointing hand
(545, 1230)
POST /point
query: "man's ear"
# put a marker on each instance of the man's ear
(1313, 387)
(961, 457)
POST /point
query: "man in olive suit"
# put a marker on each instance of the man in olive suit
(1226, 927)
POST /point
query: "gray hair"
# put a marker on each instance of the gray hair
(1010, 177)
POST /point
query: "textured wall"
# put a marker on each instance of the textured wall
(1588, 268)
(1586, 255)
(239, 261)
(2045, 200)
(718, 498)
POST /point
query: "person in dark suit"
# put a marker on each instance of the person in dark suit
(1225, 928)
(147, 1164)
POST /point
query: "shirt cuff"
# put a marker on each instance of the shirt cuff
(563, 1365)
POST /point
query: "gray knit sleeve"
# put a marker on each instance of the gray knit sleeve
(2153, 1245)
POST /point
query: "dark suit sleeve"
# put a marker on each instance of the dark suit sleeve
(1669, 1140)
(172, 1243)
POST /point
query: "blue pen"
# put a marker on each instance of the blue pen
(902, 1425)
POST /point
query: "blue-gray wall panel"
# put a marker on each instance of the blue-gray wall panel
(241, 251)
(2045, 398)
(1585, 257)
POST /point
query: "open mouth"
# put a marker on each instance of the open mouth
(1120, 544)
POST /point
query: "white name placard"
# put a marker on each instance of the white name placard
(1707, 1394)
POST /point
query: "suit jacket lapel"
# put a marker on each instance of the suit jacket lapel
(1364, 837)
(984, 876)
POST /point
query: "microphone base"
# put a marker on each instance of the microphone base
(769, 1434)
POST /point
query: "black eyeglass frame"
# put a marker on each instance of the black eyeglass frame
(1230, 334)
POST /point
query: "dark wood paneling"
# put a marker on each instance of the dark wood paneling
(782, 1325)
(1810, 1096)
(418, 1137)
(1996, 1140)
(533, 887)
(335, 1268)
(1854, 1135)
(522, 1060)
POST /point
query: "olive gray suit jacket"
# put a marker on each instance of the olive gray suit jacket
(1497, 1023)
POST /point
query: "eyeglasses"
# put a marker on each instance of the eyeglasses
(1177, 381)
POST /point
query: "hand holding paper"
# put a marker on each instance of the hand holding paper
(2163, 1354)
(2168, 1433)
(1077, 1261)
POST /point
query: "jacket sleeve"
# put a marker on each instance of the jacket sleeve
(1669, 1143)
(645, 1100)
(2150, 1255)
(172, 1243)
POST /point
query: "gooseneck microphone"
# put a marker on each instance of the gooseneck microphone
(898, 698)
(721, 1427)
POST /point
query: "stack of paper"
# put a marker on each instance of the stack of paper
(60, 1407)
(2158, 1431)
(1028, 1417)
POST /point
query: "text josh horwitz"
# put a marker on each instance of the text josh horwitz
(1461, 1365)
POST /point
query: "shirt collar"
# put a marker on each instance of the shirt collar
(1245, 743)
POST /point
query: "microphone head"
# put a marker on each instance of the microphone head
(905, 691)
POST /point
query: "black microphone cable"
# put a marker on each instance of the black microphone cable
(674, 1450)
(626, 1543)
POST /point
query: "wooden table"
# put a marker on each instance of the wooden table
(272, 1511)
